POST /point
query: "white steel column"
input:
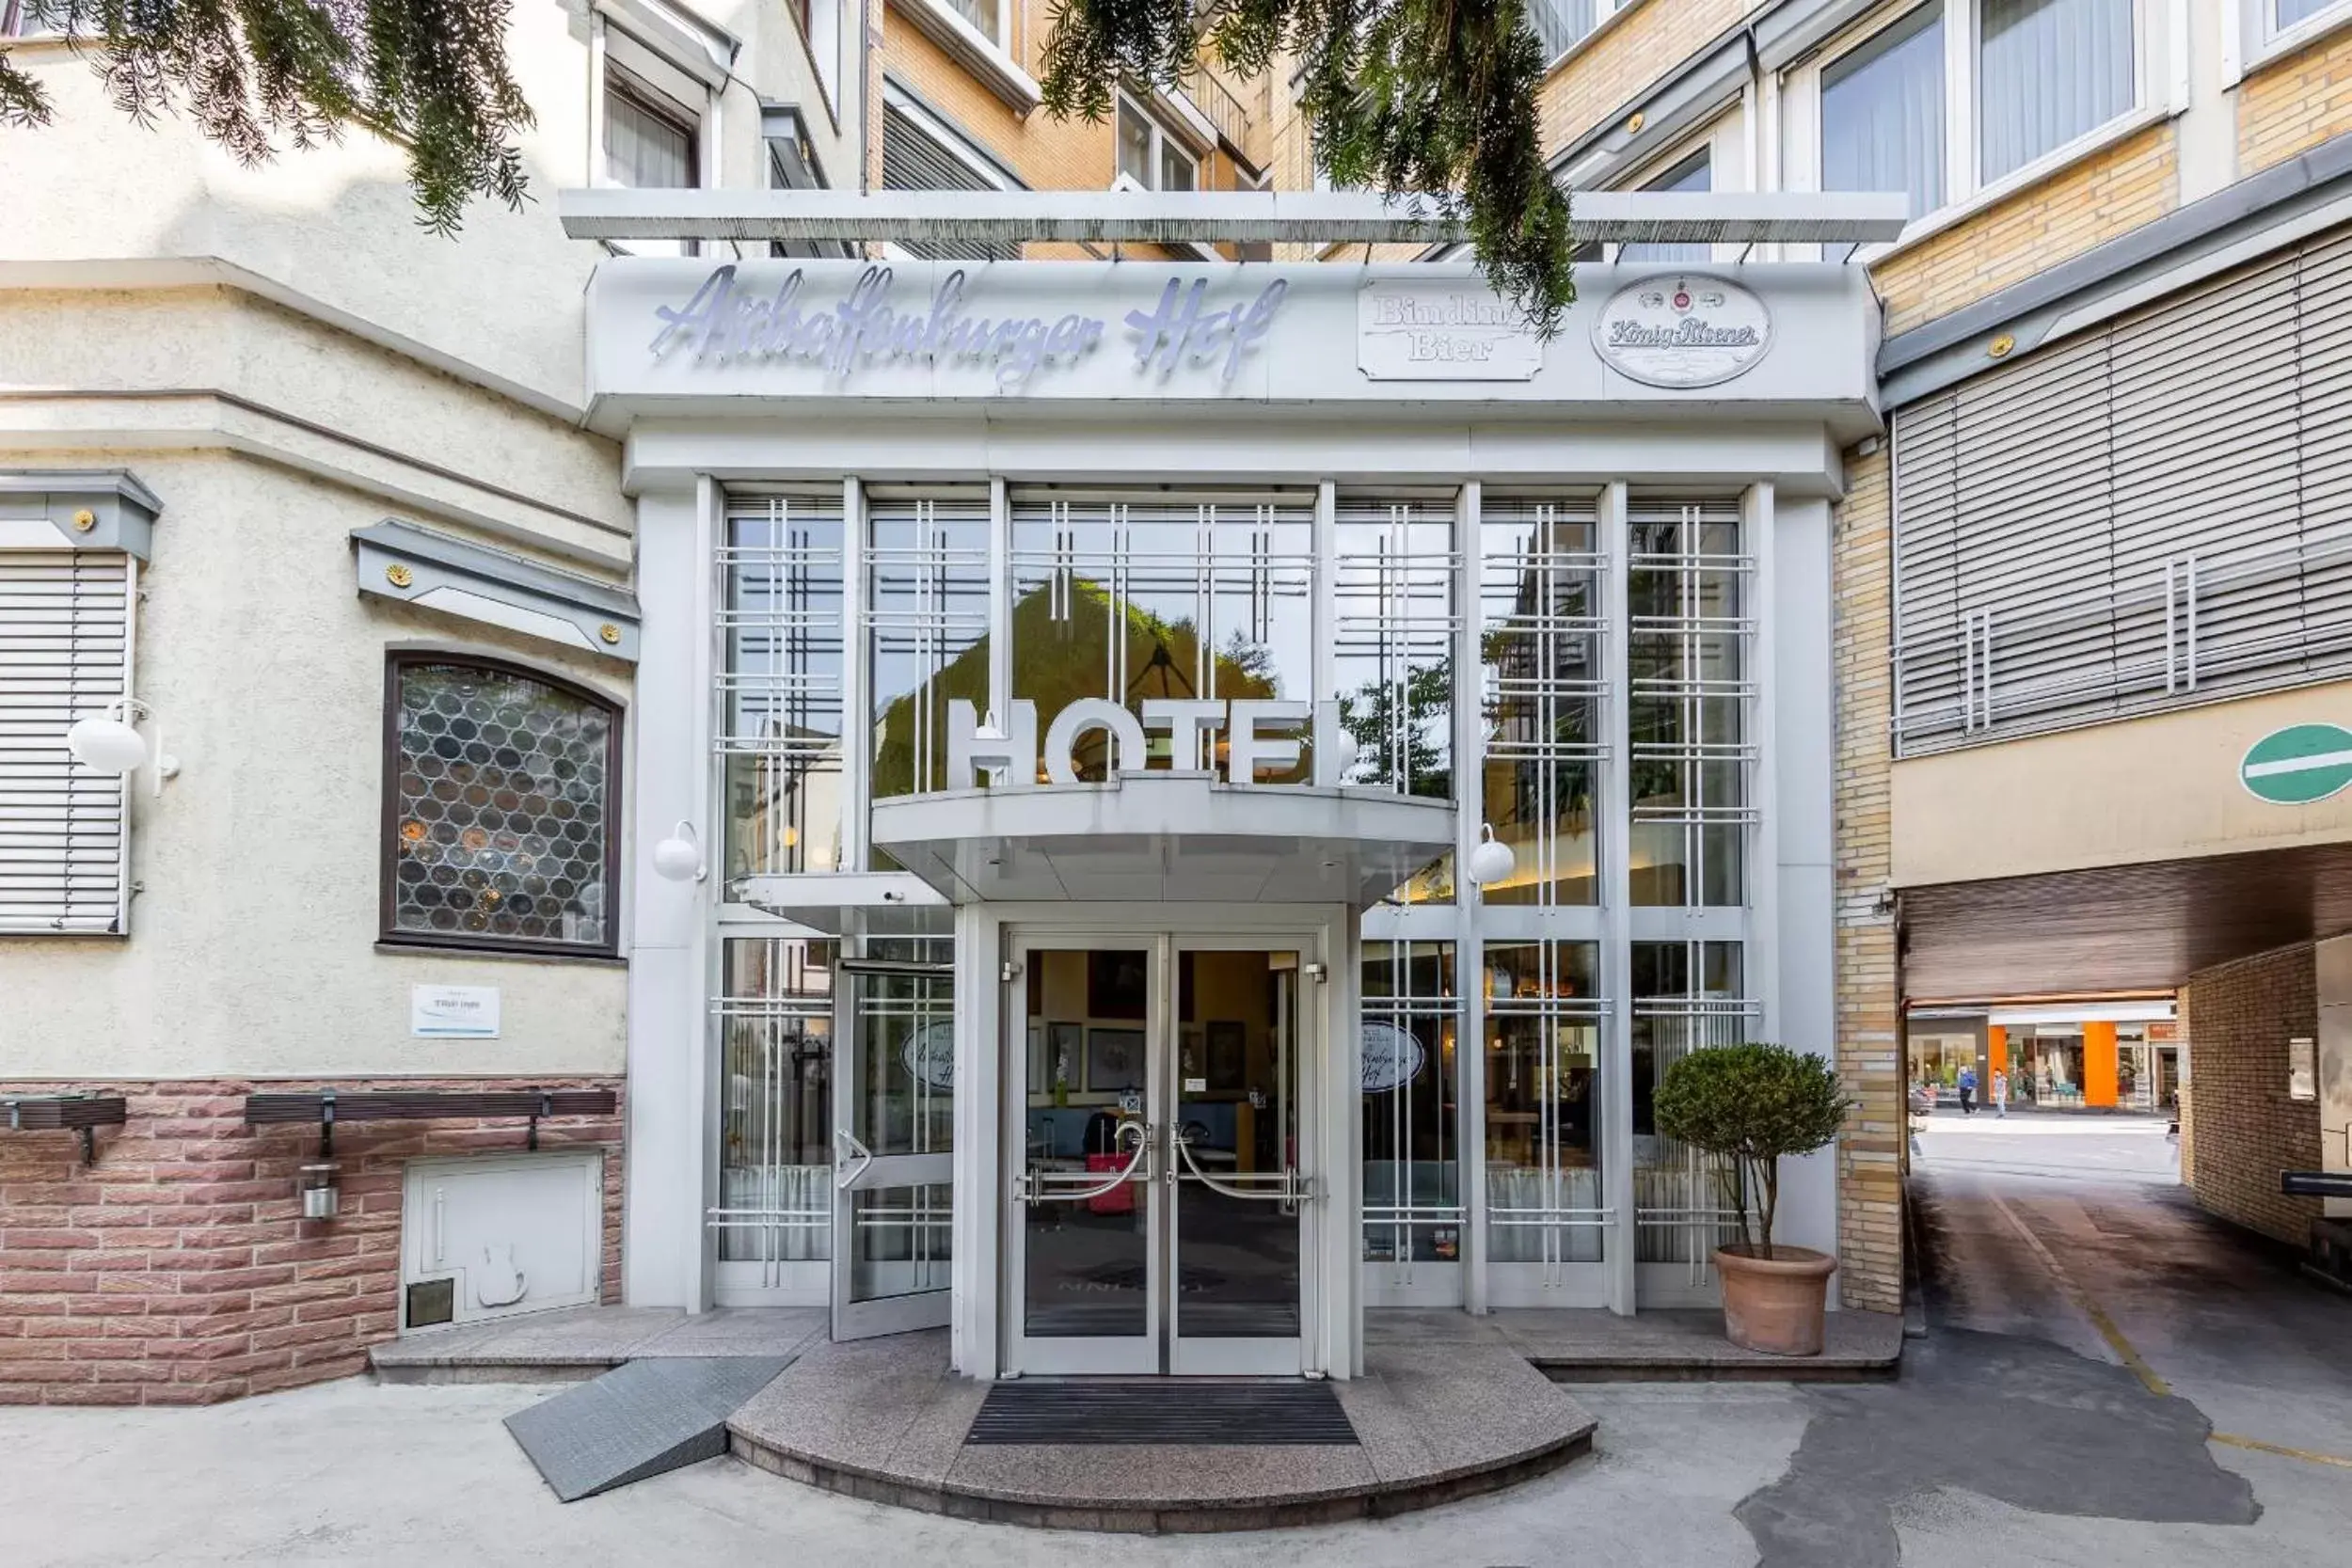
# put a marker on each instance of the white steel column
(1614, 820)
(1324, 616)
(856, 675)
(976, 1191)
(668, 937)
(1760, 963)
(1333, 1231)
(1469, 965)
(1000, 601)
(703, 1041)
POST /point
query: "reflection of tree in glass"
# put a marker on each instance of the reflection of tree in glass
(1404, 742)
(1057, 661)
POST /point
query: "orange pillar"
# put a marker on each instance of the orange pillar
(1995, 1051)
(2099, 1063)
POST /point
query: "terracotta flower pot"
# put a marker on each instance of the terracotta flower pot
(1775, 1303)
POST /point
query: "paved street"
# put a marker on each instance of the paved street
(2019, 1434)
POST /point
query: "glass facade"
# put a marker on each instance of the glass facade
(1588, 658)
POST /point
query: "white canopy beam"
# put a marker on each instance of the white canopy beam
(1307, 218)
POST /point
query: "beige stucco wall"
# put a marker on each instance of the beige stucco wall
(2164, 787)
(252, 945)
(94, 199)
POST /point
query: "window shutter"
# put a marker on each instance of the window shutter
(914, 160)
(2140, 518)
(65, 646)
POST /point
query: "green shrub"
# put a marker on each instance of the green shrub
(1751, 1104)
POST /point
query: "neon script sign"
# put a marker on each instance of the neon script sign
(726, 323)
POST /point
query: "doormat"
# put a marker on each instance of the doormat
(1181, 1412)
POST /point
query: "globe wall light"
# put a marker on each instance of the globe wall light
(679, 857)
(107, 742)
(1492, 861)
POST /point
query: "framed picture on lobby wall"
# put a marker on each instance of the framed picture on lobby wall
(1114, 1060)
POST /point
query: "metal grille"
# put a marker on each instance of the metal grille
(781, 602)
(1411, 1016)
(1183, 599)
(914, 160)
(1393, 604)
(1545, 1012)
(65, 654)
(2144, 517)
(775, 1045)
(1178, 1412)
(1687, 996)
(928, 562)
(1542, 627)
(500, 795)
(1689, 627)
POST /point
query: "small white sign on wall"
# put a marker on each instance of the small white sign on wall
(1407, 330)
(453, 1012)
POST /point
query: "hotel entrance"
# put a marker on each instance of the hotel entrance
(1158, 1168)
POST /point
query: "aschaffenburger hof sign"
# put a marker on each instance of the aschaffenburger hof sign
(1682, 329)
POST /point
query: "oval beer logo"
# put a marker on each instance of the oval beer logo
(2298, 764)
(1682, 329)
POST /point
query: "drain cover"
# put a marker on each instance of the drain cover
(1177, 1411)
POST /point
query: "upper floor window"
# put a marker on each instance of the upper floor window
(1695, 173)
(2047, 72)
(988, 17)
(648, 138)
(1562, 24)
(1149, 157)
(2268, 21)
(500, 795)
(1882, 114)
(16, 18)
(1948, 98)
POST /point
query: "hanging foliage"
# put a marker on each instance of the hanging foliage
(427, 75)
(1429, 101)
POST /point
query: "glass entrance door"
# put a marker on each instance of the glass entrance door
(893, 1128)
(1156, 1191)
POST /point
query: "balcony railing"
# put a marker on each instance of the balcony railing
(1231, 117)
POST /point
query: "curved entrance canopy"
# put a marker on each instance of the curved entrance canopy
(1171, 837)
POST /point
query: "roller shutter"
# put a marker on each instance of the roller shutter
(65, 645)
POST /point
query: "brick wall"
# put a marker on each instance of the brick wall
(1597, 81)
(2082, 205)
(176, 1270)
(1869, 1039)
(2292, 105)
(2238, 1020)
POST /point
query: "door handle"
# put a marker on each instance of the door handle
(1032, 1188)
(844, 1179)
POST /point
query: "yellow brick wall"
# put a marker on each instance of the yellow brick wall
(2292, 105)
(2075, 207)
(1871, 1153)
(1597, 81)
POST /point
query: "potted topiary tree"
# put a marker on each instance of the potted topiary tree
(1749, 1105)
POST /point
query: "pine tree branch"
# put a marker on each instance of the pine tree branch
(23, 103)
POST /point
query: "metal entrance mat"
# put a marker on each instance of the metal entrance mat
(1184, 1412)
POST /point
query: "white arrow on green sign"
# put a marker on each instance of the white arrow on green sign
(2298, 764)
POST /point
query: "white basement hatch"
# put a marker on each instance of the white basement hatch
(1307, 217)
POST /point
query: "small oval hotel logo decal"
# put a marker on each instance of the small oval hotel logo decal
(2298, 764)
(1682, 329)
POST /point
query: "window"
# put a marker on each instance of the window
(775, 1115)
(1687, 996)
(1691, 174)
(2290, 13)
(986, 16)
(1539, 637)
(648, 139)
(2047, 72)
(1882, 114)
(920, 153)
(780, 717)
(16, 18)
(1544, 1015)
(1688, 753)
(1149, 157)
(64, 833)
(500, 794)
(1413, 1194)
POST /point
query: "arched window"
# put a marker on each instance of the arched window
(502, 805)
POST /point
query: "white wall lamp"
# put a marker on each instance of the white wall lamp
(679, 857)
(107, 742)
(1492, 861)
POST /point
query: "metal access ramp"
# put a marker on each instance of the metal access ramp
(639, 1420)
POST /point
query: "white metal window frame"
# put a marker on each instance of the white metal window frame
(619, 60)
(2159, 89)
(1163, 143)
(1606, 14)
(1723, 141)
(2257, 40)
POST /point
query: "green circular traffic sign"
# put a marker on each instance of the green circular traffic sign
(2298, 764)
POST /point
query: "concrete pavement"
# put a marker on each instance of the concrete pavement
(2019, 1435)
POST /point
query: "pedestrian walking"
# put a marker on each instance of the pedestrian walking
(2000, 1094)
(1967, 1091)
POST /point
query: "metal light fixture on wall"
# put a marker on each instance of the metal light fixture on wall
(1492, 861)
(679, 857)
(108, 742)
